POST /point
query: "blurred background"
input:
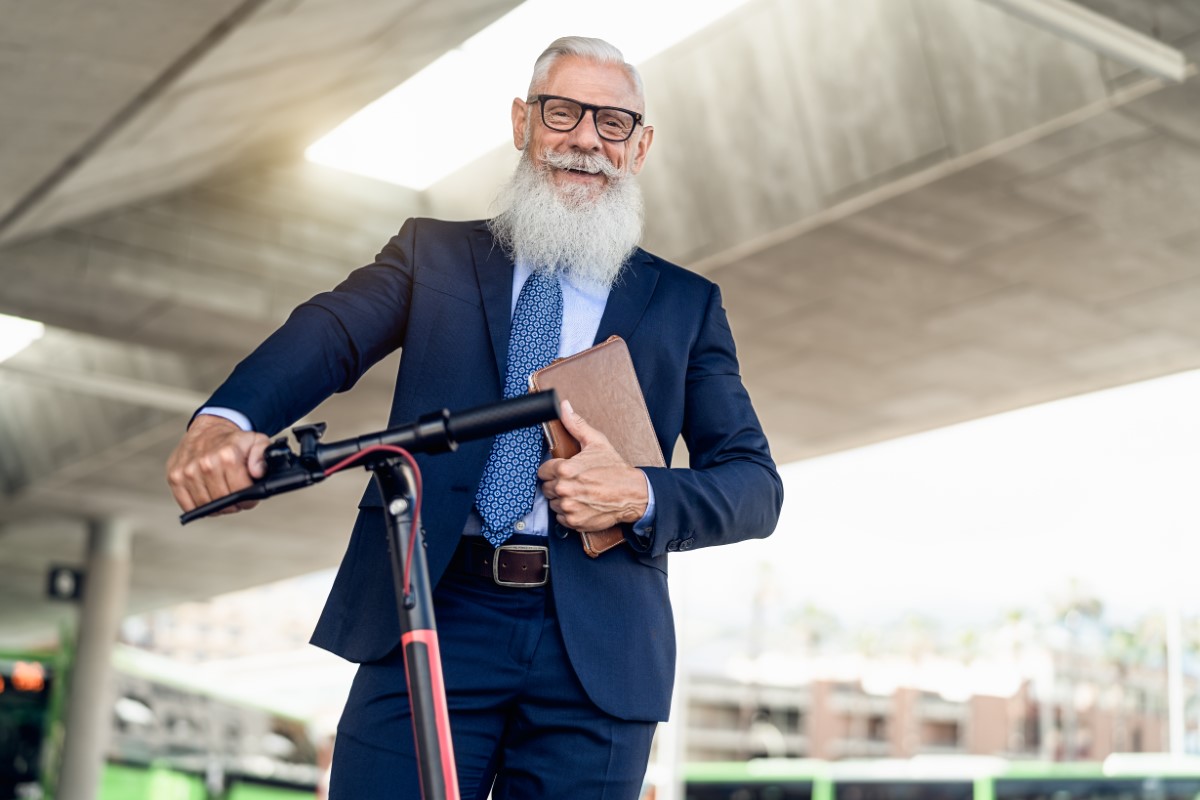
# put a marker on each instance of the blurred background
(959, 245)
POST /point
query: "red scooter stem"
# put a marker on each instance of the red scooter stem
(418, 633)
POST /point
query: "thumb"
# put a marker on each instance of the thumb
(255, 459)
(578, 427)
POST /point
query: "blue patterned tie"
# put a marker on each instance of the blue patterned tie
(510, 478)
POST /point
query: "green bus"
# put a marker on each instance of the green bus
(136, 782)
(1120, 777)
(170, 740)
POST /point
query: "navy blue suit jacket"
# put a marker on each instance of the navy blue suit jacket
(442, 291)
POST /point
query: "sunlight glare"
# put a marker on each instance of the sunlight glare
(457, 109)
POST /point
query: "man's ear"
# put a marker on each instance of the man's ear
(641, 148)
(520, 118)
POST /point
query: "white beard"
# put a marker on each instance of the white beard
(586, 238)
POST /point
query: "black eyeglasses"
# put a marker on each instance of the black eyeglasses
(564, 114)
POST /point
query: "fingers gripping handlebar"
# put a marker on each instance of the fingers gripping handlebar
(438, 432)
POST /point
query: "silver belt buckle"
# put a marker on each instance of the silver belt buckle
(524, 548)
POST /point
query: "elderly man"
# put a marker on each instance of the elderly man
(554, 690)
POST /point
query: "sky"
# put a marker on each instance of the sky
(966, 522)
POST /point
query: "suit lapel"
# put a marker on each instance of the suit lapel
(494, 270)
(628, 299)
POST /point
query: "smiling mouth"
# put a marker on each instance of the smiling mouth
(581, 171)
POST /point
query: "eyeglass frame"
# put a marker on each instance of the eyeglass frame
(584, 108)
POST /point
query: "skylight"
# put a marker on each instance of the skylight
(457, 108)
(16, 334)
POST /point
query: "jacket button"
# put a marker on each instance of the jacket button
(686, 544)
(673, 545)
(561, 531)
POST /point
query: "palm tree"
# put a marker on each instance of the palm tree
(1081, 614)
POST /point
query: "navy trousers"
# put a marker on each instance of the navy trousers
(522, 725)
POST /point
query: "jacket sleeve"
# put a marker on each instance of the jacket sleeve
(327, 343)
(731, 491)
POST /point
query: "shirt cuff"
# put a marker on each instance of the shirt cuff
(236, 417)
(644, 527)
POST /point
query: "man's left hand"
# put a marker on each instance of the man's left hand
(594, 489)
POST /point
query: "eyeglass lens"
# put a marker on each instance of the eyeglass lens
(563, 115)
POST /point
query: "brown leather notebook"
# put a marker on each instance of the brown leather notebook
(604, 390)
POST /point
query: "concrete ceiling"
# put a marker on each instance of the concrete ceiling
(920, 213)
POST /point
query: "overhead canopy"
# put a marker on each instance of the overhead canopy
(919, 213)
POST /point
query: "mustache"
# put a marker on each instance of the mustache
(583, 162)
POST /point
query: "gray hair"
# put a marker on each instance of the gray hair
(595, 50)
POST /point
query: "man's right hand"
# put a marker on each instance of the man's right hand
(215, 458)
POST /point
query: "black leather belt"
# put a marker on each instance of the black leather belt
(517, 566)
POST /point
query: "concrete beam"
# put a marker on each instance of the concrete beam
(118, 121)
(110, 387)
(1102, 34)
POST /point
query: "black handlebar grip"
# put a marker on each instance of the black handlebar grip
(519, 412)
(253, 492)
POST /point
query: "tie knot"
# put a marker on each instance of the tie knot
(536, 329)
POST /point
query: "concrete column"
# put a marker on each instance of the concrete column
(90, 700)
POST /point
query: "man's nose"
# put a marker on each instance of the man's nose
(584, 135)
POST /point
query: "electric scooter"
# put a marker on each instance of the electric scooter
(387, 455)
